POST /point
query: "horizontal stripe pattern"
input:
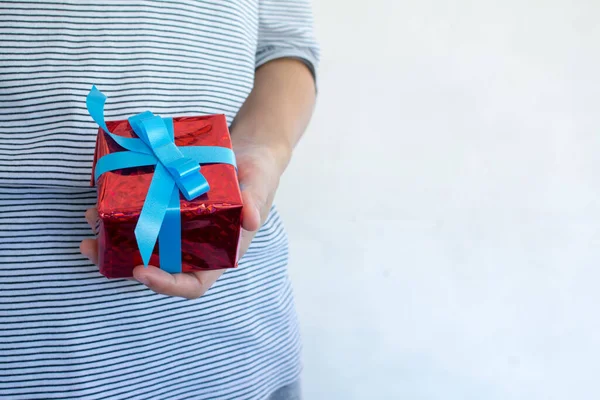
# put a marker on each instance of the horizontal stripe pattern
(66, 332)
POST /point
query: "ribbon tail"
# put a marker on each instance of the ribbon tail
(153, 212)
(169, 238)
(95, 102)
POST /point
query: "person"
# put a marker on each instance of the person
(67, 332)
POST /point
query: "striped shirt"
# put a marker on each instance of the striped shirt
(66, 332)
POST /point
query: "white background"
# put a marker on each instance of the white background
(443, 208)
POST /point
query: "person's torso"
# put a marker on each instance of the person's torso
(68, 332)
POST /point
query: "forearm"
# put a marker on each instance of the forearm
(277, 111)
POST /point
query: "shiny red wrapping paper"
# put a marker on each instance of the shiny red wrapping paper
(210, 224)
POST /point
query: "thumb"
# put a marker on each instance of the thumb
(254, 204)
(258, 178)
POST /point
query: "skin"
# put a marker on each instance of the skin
(264, 133)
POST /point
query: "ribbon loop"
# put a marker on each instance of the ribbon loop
(190, 182)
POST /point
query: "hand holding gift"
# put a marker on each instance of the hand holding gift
(209, 225)
(257, 169)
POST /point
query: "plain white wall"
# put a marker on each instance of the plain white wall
(443, 208)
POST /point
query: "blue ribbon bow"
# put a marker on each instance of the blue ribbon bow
(176, 170)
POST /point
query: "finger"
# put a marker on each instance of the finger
(188, 285)
(91, 216)
(89, 248)
(257, 197)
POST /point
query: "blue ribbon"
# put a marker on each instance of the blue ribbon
(176, 170)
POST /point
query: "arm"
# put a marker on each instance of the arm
(268, 126)
(278, 109)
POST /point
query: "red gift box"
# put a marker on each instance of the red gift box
(210, 224)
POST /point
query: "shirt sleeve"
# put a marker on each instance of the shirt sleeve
(286, 29)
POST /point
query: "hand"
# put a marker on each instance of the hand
(259, 169)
